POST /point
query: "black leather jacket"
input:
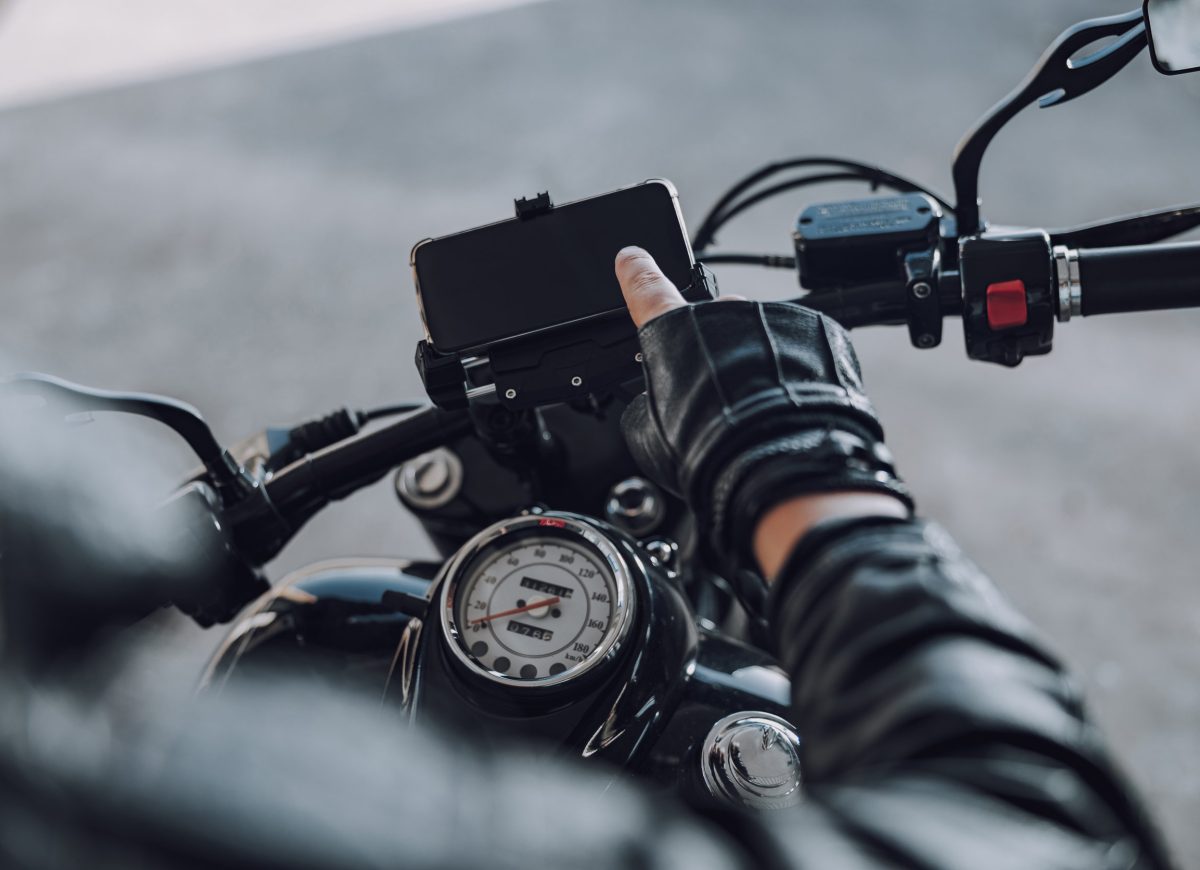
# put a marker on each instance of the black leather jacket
(938, 733)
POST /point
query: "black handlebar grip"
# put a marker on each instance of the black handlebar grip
(1139, 278)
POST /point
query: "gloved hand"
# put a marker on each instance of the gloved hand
(747, 404)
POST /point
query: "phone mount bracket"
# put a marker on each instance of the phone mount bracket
(1056, 79)
(530, 207)
(568, 362)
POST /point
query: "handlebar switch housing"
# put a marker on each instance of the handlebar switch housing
(1009, 295)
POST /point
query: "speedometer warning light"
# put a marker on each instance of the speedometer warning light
(536, 601)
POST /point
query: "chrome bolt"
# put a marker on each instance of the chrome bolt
(637, 357)
(576, 381)
(921, 290)
(510, 393)
(635, 505)
(663, 553)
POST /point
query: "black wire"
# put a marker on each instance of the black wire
(783, 187)
(707, 234)
(875, 175)
(774, 261)
(864, 170)
(389, 411)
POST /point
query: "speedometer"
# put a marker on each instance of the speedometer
(537, 600)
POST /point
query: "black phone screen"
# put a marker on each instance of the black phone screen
(520, 276)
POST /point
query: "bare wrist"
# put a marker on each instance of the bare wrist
(782, 527)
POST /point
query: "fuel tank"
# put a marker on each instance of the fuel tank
(327, 622)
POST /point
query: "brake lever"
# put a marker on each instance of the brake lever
(1055, 80)
(1143, 228)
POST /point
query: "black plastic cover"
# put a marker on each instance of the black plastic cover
(592, 357)
(863, 241)
(443, 376)
(588, 357)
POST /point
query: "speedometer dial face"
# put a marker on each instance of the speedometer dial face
(538, 607)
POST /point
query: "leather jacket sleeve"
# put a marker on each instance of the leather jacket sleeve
(938, 732)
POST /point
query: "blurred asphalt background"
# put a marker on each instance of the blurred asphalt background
(239, 237)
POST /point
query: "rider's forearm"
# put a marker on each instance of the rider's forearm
(930, 713)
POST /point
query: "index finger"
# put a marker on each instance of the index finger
(648, 292)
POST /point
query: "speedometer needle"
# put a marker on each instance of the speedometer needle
(545, 603)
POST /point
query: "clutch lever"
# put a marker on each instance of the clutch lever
(183, 419)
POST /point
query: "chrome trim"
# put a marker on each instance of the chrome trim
(1070, 290)
(239, 632)
(480, 392)
(550, 524)
(414, 486)
(405, 661)
(412, 265)
(752, 759)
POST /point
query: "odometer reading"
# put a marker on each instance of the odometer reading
(530, 630)
(547, 588)
(535, 608)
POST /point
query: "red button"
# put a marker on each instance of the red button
(1006, 304)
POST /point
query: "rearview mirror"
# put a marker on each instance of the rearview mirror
(1173, 27)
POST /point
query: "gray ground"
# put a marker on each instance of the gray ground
(240, 237)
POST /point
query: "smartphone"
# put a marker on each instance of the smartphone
(525, 275)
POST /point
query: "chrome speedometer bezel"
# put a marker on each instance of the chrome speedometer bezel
(552, 524)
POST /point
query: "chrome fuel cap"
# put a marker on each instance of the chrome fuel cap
(430, 481)
(753, 759)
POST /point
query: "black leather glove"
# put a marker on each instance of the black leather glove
(748, 404)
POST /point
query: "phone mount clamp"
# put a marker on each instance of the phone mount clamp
(530, 207)
(559, 364)
(587, 357)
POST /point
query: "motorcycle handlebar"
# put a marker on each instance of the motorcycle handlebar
(1139, 278)
(1110, 280)
(234, 540)
(870, 305)
(1115, 280)
(300, 490)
